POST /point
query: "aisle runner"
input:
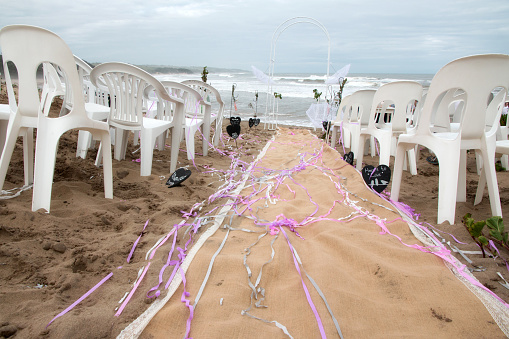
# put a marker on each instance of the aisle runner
(308, 251)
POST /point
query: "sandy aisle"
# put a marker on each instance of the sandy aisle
(374, 285)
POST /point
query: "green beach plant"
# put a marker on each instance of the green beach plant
(497, 231)
(340, 92)
(204, 74)
(317, 95)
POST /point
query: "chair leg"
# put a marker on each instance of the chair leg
(100, 153)
(190, 131)
(354, 133)
(10, 143)
(117, 150)
(385, 151)
(480, 188)
(121, 137)
(3, 132)
(479, 163)
(346, 137)
(206, 138)
(491, 180)
(28, 156)
(360, 156)
(175, 147)
(147, 142)
(394, 142)
(397, 174)
(504, 160)
(136, 138)
(218, 131)
(461, 195)
(107, 166)
(333, 136)
(447, 180)
(161, 141)
(412, 162)
(367, 145)
(45, 158)
(84, 141)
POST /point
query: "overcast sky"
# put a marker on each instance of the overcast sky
(374, 36)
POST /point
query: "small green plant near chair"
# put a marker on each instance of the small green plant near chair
(497, 233)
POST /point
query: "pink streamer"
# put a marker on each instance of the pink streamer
(82, 298)
(132, 291)
(136, 242)
(308, 296)
(187, 302)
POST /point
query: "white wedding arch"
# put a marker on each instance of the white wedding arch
(270, 109)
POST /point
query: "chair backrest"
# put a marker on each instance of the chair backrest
(52, 87)
(414, 119)
(205, 91)
(401, 94)
(193, 101)
(39, 46)
(477, 76)
(494, 111)
(84, 70)
(342, 114)
(451, 105)
(126, 86)
(360, 103)
(93, 94)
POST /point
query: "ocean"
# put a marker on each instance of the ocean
(296, 91)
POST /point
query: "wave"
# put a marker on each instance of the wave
(296, 89)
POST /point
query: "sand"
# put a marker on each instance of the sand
(48, 261)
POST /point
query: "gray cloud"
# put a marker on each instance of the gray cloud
(374, 36)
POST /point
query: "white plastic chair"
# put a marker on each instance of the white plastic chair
(197, 112)
(95, 104)
(55, 85)
(337, 125)
(495, 146)
(477, 76)
(402, 95)
(360, 108)
(208, 92)
(28, 47)
(126, 85)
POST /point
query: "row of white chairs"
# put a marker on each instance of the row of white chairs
(111, 96)
(460, 111)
